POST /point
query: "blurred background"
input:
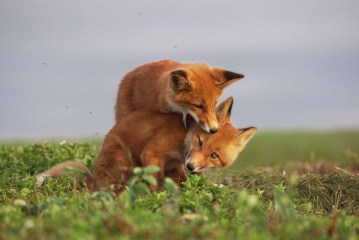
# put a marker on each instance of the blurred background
(61, 61)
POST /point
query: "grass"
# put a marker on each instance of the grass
(280, 148)
(252, 203)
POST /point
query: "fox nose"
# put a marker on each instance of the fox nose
(190, 166)
(213, 130)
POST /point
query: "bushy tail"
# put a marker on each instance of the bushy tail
(65, 169)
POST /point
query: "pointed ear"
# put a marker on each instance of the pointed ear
(244, 135)
(223, 111)
(225, 78)
(178, 81)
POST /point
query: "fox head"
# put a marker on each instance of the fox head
(216, 150)
(195, 90)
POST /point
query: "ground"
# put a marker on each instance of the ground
(298, 185)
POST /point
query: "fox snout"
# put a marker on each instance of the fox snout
(213, 130)
(190, 118)
(208, 121)
(191, 168)
(207, 128)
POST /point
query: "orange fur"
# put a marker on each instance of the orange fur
(217, 150)
(169, 86)
(148, 137)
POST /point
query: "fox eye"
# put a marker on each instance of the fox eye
(198, 106)
(214, 155)
(199, 142)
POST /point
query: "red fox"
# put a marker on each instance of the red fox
(148, 137)
(168, 86)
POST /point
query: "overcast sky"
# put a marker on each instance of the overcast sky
(61, 61)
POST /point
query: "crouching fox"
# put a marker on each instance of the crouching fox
(152, 138)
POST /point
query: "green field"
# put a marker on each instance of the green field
(248, 201)
(281, 148)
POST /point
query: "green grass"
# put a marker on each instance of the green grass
(249, 205)
(280, 148)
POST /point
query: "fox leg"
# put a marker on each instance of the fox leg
(149, 158)
(113, 168)
(178, 175)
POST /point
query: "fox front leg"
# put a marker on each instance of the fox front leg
(178, 175)
(148, 158)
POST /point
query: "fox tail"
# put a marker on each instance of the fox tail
(68, 168)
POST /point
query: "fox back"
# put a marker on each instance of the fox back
(140, 139)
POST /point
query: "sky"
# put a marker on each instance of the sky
(61, 61)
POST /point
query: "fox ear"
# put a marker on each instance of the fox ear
(178, 81)
(223, 111)
(244, 135)
(225, 78)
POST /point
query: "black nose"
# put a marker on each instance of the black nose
(190, 166)
(213, 130)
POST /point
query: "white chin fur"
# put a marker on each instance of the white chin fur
(205, 128)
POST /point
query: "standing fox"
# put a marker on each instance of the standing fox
(168, 86)
(148, 137)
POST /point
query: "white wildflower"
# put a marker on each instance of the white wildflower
(29, 224)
